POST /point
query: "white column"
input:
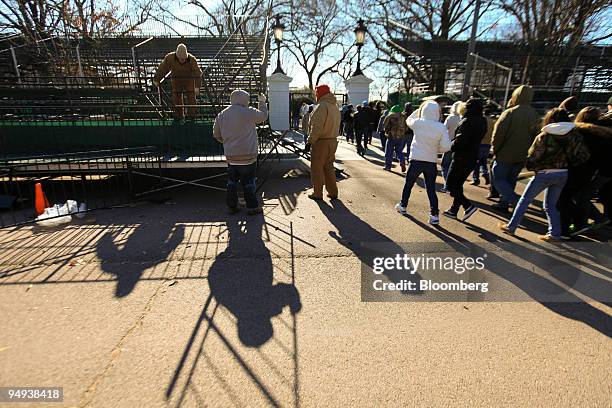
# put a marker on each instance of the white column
(358, 89)
(278, 98)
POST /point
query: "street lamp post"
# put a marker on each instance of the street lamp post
(278, 28)
(360, 33)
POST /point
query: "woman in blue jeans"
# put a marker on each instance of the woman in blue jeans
(557, 147)
(430, 138)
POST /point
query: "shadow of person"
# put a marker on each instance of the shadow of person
(242, 280)
(366, 242)
(147, 246)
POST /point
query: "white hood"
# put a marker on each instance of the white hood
(454, 110)
(559, 128)
(430, 111)
(430, 136)
(240, 97)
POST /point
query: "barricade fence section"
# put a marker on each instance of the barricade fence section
(93, 180)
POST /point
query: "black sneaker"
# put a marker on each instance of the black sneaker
(469, 212)
(505, 208)
(254, 211)
(450, 214)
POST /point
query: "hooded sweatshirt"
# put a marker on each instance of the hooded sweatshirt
(235, 128)
(555, 148)
(324, 119)
(452, 121)
(430, 136)
(516, 127)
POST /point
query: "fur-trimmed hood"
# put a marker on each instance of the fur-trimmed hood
(594, 130)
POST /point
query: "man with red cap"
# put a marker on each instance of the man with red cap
(322, 139)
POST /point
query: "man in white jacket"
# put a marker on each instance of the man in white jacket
(430, 138)
(235, 127)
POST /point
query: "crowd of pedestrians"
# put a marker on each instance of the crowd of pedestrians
(564, 154)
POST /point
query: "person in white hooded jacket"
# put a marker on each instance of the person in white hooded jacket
(451, 123)
(430, 138)
(235, 127)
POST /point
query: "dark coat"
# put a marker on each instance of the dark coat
(362, 120)
(469, 133)
(598, 140)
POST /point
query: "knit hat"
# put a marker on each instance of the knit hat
(610, 101)
(181, 52)
(321, 90)
(395, 109)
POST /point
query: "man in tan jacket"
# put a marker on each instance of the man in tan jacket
(322, 138)
(186, 80)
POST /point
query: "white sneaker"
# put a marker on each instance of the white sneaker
(434, 220)
(400, 209)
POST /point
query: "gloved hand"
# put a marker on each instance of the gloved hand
(307, 147)
(262, 98)
(156, 83)
(197, 91)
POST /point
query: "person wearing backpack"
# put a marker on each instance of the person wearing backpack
(556, 148)
(395, 128)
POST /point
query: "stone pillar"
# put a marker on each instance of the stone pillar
(358, 89)
(278, 101)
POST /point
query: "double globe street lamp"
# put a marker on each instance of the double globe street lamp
(360, 33)
(278, 29)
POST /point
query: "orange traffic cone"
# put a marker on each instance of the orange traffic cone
(40, 199)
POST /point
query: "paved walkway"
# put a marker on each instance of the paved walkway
(152, 306)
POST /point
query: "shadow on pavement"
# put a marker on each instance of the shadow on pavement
(574, 307)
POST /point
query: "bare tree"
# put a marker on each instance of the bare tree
(392, 20)
(318, 38)
(553, 30)
(34, 20)
(221, 18)
(42, 19)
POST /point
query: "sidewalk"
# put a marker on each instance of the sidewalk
(153, 306)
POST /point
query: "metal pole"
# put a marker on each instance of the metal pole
(78, 53)
(16, 65)
(507, 88)
(471, 48)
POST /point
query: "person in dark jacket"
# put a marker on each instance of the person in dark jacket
(585, 181)
(472, 128)
(408, 109)
(374, 119)
(552, 152)
(513, 134)
(362, 124)
(349, 124)
(367, 135)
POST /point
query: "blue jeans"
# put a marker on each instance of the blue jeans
(244, 175)
(506, 175)
(394, 146)
(553, 184)
(481, 165)
(429, 171)
(447, 158)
